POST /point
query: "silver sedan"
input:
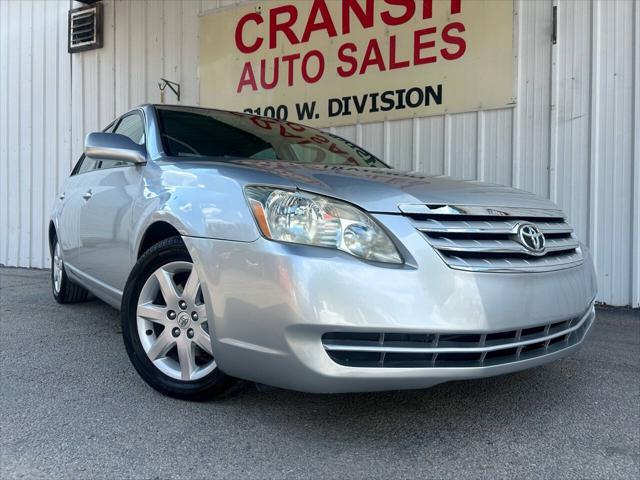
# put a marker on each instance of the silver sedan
(242, 247)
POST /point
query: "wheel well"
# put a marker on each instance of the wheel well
(156, 233)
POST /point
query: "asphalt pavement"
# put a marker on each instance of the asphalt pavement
(71, 406)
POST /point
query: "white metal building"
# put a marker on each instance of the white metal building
(573, 134)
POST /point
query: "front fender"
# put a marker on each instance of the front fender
(196, 204)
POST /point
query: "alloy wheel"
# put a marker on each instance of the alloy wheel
(57, 268)
(172, 322)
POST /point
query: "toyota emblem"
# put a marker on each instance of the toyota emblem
(531, 238)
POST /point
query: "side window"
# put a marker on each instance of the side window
(132, 126)
(85, 164)
(110, 128)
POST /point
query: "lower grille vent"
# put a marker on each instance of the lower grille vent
(430, 350)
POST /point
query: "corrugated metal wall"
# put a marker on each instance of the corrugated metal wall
(573, 135)
(35, 124)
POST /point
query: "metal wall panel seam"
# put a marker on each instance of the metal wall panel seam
(63, 71)
(4, 127)
(49, 139)
(114, 103)
(128, 83)
(26, 127)
(480, 146)
(622, 273)
(386, 141)
(32, 101)
(96, 81)
(14, 172)
(77, 103)
(13, 97)
(516, 139)
(593, 157)
(99, 91)
(190, 52)
(447, 144)
(635, 164)
(554, 111)
(154, 15)
(121, 55)
(47, 193)
(416, 162)
(172, 41)
(38, 95)
(137, 54)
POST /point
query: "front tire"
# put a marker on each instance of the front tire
(165, 326)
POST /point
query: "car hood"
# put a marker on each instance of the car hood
(378, 190)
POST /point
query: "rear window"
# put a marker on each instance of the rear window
(228, 135)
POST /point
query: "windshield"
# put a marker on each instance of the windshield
(210, 133)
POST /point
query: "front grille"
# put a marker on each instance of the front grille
(485, 239)
(451, 350)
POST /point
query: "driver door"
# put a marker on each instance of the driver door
(105, 215)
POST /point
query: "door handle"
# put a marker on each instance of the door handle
(87, 195)
(61, 197)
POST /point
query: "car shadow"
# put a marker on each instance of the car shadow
(467, 408)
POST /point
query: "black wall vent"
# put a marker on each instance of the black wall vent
(85, 28)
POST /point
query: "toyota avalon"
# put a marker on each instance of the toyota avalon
(242, 247)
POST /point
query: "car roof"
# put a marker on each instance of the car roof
(183, 107)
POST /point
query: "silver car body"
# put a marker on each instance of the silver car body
(320, 320)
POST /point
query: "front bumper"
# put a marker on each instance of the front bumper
(270, 304)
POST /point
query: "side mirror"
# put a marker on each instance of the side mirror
(113, 146)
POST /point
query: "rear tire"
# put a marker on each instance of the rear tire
(165, 326)
(64, 289)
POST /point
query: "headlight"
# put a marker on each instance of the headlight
(308, 219)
